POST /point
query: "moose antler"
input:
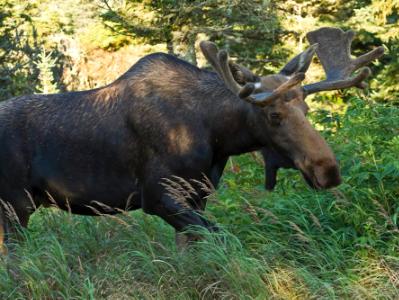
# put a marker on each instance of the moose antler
(214, 57)
(241, 74)
(220, 62)
(334, 54)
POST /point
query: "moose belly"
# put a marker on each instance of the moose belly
(87, 189)
(92, 199)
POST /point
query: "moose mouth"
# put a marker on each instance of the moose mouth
(311, 181)
(331, 178)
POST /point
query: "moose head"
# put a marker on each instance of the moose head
(280, 98)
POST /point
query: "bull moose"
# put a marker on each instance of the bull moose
(112, 148)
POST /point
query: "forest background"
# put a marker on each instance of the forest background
(293, 243)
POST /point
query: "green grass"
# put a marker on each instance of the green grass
(293, 243)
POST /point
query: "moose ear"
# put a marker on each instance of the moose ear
(299, 63)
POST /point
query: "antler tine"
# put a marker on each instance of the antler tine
(219, 61)
(241, 74)
(334, 54)
(210, 52)
(368, 57)
(223, 58)
(327, 85)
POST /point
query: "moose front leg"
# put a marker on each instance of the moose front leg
(217, 171)
(157, 201)
(270, 177)
(177, 215)
(271, 168)
(273, 162)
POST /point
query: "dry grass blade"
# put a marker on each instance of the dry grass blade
(184, 184)
(52, 200)
(384, 213)
(176, 191)
(314, 219)
(205, 184)
(10, 212)
(30, 199)
(252, 212)
(117, 219)
(393, 274)
(68, 206)
(94, 210)
(129, 201)
(340, 197)
(211, 289)
(300, 234)
(268, 213)
(106, 208)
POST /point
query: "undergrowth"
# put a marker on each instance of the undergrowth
(293, 243)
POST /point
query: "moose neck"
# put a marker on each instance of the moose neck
(237, 128)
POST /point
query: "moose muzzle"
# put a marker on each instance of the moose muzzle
(320, 174)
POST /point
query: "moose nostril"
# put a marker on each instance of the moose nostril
(333, 177)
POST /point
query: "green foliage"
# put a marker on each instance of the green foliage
(18, 43)
(179, 23)
(46, 76)
(379, 23)
(263, 34)
(66, 29)
(259, 34)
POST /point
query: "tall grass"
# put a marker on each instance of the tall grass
(293, 243)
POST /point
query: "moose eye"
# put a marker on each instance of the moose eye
(275, 118)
